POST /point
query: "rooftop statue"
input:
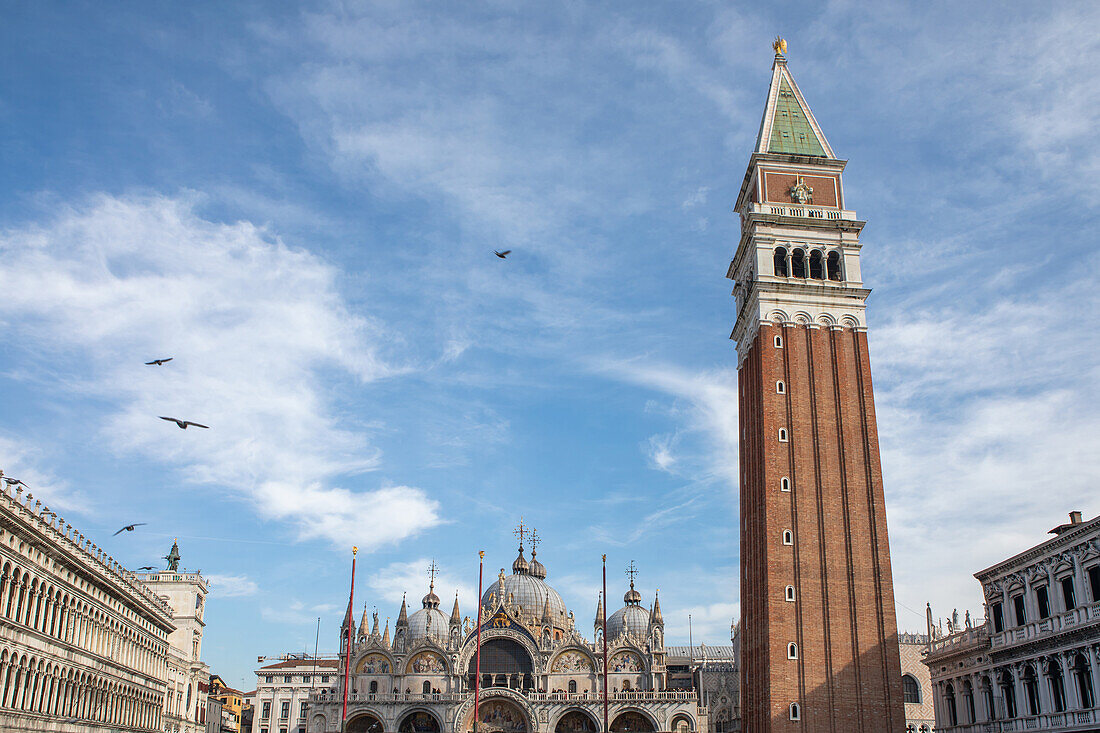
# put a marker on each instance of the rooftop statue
(173, 558)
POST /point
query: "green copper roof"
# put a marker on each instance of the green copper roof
(791, 131)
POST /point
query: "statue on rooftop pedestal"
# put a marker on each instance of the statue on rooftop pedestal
(173, 557)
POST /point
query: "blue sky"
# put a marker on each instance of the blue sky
(299, 204)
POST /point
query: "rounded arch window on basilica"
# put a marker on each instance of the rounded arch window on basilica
(374, 664)
(572, 661)
(427, 663)
(625, 662)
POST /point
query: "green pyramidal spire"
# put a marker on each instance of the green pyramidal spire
(788, 126)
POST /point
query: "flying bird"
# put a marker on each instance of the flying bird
(14, 482)
(183, 423)
(158, 362)
(147, 567)
(502, 255)
(129, 528)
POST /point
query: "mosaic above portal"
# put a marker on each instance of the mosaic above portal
(572, 661)
(625, 662)
(374, 664)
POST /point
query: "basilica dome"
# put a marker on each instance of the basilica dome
(429, 621)
(631, 619)
(521, 588)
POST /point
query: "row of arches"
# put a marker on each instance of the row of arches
(819, 265)
(34, 685)
(46, 608)
(503, 716)
(1038, 689)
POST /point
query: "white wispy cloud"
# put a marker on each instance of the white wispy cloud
(410, 578)
(231, 586)
(251, 323)
(296, 613)
(23, 461)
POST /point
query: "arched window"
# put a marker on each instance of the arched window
(782, 435)
(1083, 676)
(817, 265)
(626, 685)
(796, 711)
(911, 688)
(373, 687)
(788, 537)
(792, 651)
(1008, 689)
(572, 685)
(949, 699)
(780, 262)
(833, 265)
(778, 342)
(780, 388)
(1057, 687)
(968, 701)
(784, 484)
(1031, 688)
(798, 263)
(427, 687)
(790, 593)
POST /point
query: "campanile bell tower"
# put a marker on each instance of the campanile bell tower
(819, 635)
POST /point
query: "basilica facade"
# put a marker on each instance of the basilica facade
(538, 671)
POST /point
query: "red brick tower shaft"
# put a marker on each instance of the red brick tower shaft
(819, 634)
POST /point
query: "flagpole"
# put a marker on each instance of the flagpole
(477, 664)
(604, 622)
(347, 646)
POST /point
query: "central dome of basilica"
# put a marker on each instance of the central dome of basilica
(527, 588)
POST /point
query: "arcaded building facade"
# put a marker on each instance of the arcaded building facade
(83, 644)
(539, 673)
(1034, 663)
(819, 633)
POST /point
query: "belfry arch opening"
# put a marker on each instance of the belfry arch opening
(504, 663)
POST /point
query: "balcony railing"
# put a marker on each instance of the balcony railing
(1073, 720)
(1071, 619)
(323, 696)
(958, 642)
(805, 211)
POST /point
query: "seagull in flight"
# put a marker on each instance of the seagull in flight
(183, 423)
(502, 255)
(14, 482)
(129, 528)
(147, 567)
(158, 362)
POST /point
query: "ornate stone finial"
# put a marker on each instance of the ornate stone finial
(779, 45)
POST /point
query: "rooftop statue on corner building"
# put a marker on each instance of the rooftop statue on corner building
(173, 557)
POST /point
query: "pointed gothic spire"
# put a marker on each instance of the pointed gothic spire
(546, 619)
(655, 613)
(456, 617)
(599, 612)
(363, 622)
(386, 633)
(788, 125)
(403, 616)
